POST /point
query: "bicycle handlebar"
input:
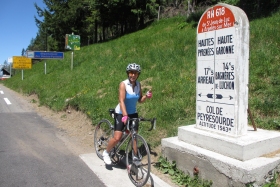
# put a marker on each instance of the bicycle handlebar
(153, 121)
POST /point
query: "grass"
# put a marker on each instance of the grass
(166, 51)
(178, 176)
(264, 67)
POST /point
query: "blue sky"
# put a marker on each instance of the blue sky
(17, 25)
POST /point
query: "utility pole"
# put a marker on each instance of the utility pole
(46, 35)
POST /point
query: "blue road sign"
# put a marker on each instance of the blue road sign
(48, 55)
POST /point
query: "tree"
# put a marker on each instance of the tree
(100, 20)
(23, 52)
(258, 8)
(144, 10)
(61, 18)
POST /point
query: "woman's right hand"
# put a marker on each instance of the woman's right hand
(124, 119)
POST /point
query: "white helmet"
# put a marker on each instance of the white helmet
(133, 67)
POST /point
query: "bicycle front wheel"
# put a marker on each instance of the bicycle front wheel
(103, 132)
(138, 161)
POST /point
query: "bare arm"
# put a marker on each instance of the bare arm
(142, 97)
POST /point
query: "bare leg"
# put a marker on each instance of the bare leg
(113, 141)
(135, 149)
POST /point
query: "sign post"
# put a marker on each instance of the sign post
(219, 144)
(72, 42)
(45, 55)
(22, 62)
(222, 71)
(10, 61)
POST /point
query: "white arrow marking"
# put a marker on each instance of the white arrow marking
(7, 101)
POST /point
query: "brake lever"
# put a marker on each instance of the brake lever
(153, 123)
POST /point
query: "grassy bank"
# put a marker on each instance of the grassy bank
(166, 51)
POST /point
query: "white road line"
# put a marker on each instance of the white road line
(1, 92)
(7, 101)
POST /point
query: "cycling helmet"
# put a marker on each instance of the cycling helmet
(133, 67)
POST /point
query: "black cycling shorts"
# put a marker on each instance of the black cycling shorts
(119, 125)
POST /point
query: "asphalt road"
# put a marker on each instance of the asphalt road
(34, 154)
(31, 154)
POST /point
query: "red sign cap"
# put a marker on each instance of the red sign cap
(215, 18)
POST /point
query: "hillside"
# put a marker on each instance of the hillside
(166, 51)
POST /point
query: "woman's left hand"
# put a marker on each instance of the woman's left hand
(149, 94)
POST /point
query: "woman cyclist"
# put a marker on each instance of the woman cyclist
(130, 93)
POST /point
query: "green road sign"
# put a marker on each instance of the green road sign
(72, 42)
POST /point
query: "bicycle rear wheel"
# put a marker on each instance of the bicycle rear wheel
(138, 170)
(103, 132)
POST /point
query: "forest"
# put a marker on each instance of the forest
(98, 21)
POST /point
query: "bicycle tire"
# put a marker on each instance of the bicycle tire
(138, 173)
(104, 130)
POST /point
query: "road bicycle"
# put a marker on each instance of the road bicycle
(137, 153)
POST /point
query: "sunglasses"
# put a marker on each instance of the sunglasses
(133, 72)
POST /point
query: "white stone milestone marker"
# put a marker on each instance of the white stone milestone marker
(222, 70)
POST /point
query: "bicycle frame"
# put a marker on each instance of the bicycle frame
(130, 131)
(121, 142)
(130, 127)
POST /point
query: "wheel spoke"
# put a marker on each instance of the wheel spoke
(103, 133)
